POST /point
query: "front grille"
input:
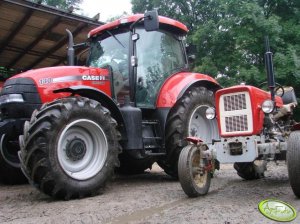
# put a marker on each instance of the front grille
(29, 91)
(236, 123)
(235, 113)
(235, 102)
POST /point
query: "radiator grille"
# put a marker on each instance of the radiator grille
(236, 113)
(235, 102)
(236, 123)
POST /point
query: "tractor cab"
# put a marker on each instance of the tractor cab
(139, 59)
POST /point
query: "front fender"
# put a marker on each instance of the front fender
(95, 94)
(175, 86)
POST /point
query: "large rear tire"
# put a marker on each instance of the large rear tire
(252, 170)
(187, 118)
(293, 161)
(10, 172)
(193, 183)
(71, 148)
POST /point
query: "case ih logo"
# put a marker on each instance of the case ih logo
(93, 77)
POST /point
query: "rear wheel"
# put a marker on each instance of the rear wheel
(10, 172)
(293, 161)
(71, 148)
(252, 170)
(187, 118)
(194, 182)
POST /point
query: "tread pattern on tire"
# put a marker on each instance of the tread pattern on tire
(36, 161)
(293, 161)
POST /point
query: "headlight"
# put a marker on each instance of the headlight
(210, 113)
(11, 98)
(267, 106)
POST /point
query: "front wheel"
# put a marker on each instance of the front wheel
(70, 148)
(194, 180)
(293, 161)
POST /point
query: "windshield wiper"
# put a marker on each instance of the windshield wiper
(115, 38)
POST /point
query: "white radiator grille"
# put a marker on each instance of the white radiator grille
(235, 102)
(235, 113)
(236, 123)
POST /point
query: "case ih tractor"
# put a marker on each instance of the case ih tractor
(254, 127)
(132, 105)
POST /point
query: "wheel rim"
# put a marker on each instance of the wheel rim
(8, 150)
(82, 149)
(200, 126)
(199, 179)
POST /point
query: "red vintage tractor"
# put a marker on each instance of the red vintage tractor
(132, 105)
(254, 126)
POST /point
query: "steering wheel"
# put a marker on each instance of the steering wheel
(279, 89)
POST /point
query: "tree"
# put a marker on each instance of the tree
(61, 4)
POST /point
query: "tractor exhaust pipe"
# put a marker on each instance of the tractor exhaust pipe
(71, 52)
(270, 69)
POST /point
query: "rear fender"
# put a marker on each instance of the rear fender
(175, 87)
(95, 94)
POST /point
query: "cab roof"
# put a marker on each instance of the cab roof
(164, 23)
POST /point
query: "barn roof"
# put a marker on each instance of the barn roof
(34, 35)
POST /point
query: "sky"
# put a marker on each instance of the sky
(106, 8)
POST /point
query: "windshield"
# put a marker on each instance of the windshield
(111, 51)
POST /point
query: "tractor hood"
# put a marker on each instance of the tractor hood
(53, 78)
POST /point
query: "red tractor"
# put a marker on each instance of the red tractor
(132, 105)
(254, 126)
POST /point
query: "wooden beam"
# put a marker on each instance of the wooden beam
(58, 45)
(16, 30)
(44, 32)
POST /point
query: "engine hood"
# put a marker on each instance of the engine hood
(48, 75)
(53, 78)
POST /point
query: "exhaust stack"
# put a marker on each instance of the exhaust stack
(270, 69)
(71, 52)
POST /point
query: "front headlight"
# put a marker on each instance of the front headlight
(210, 113)
(267, 106)
(11, 98)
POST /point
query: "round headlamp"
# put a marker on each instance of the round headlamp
(267, 106)
(210, 113)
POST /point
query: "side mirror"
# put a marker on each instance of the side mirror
(191, 58)
(151, 21)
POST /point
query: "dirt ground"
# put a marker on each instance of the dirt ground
(153, 197)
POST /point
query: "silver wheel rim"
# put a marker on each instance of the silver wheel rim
(201, 127)
(82, 149)
(199, 180)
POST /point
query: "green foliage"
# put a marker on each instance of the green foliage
(61, 4)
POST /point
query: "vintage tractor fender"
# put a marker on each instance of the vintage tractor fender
(175, 86)
(95, 94)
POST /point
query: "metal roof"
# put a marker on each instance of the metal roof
(33, 35)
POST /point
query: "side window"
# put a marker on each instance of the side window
(159, 56)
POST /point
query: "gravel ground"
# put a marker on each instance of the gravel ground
(154, 197)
